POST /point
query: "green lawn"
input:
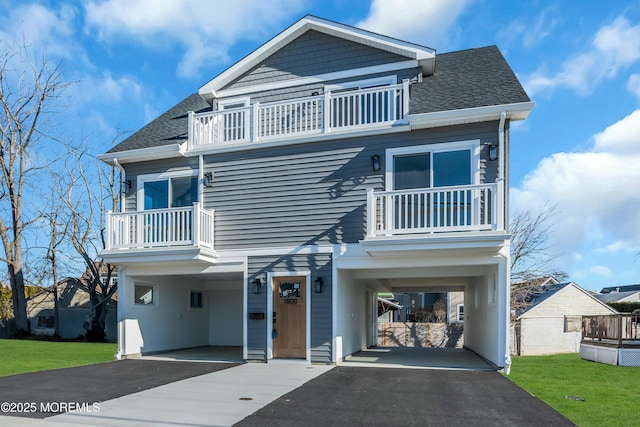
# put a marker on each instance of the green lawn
(611, 393)
(20, 356)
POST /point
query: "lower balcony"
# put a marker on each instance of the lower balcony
(184, 229)
(435, 211)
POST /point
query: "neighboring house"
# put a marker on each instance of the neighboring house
(267, 210)
(418, 303)
(73, 311)
(552, 322)
(630, 293)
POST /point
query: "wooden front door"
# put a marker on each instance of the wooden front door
(290, 317)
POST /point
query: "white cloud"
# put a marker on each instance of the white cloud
(601, 270)
(48, 30)
(421, 21)
(595, 193)
(633, 84)
(205, 30)
(614, 48)
(531, 33)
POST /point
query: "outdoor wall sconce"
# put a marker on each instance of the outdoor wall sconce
(257, 286)
(207, 179)
(493, 152)
(375, 162)
(126, 186)
(318, 285)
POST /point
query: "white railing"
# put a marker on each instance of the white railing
(173, 227)
(434, 210)
(331, 112)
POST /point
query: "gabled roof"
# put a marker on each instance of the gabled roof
(615, 296)
(549, 290)
(424, 56)
(620, 289)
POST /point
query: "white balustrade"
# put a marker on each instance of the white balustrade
(433, 210)
(173, 227)
(331, 112)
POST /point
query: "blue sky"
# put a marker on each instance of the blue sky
(579, 61)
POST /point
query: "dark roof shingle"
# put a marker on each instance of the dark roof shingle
(168, 128)
(467, 79)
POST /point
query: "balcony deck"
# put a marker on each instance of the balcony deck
(188, 228)
(433, 211)
(348, 111)
(614, 339)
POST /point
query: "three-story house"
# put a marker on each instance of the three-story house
(267, 210)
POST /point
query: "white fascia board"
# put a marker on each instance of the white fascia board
(518, 111)
(144, 154)
(232, 147)
(319, 78)
(425, 55)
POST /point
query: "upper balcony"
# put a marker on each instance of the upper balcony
(344, 111)
(435, 211)
(176, 230)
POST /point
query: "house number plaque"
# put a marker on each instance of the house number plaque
(290, 301)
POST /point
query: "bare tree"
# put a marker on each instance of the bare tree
(28, 86)
(532, 256)
(86, 198)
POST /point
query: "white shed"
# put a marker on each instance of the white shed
(553, 322)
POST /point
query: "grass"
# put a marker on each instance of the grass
(611, 393)
(20, 356)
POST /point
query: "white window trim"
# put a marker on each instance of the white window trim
(245, 100)
(154, 295)
(358, 84)
(270, 291)
(473, 145)
(142, 179)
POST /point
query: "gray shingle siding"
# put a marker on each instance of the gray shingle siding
(321, 316)
(313, 53)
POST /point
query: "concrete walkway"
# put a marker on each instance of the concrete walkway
(221, 398)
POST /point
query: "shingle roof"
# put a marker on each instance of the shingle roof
(463, 79)
(614, 296)
(620, 289)
(466, 79)
(169, 128)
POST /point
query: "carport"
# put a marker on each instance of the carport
(480, 273)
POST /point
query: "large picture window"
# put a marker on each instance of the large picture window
(437, 165)
(160, 191)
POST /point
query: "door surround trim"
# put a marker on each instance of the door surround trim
(269, 288)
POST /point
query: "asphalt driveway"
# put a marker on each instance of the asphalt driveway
(347, 396)
(94, 383)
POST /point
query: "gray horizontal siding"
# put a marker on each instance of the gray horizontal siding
(313, 193)
(310, 54)
(321, 315)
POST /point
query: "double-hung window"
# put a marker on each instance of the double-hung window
(430, 184)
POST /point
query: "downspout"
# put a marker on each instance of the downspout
(123, 175)
(501, 182)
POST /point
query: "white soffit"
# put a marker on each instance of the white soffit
(424, 55)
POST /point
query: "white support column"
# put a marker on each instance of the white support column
(255, 131)
(371, 212)
(405, 100)
(190, 130)
(326, 112)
